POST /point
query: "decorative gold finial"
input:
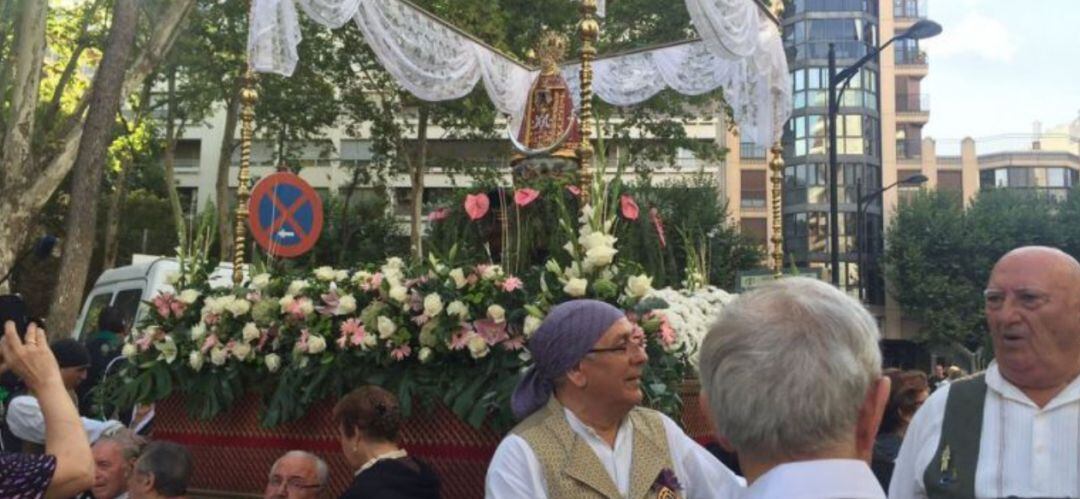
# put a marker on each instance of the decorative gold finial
(776, 165)
(777, 8)
(248, 96)
(550, 51)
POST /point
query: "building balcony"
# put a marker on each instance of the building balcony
(750, 151)
(908, 11)
(908, 150)
(911, 63)
(912, 108)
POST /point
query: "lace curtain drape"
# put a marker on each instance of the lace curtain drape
(740, 51)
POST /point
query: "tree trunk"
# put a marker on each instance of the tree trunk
(22, 196)
(112, 216)
(417, 180)
(345, 230)
(29, 52)
(86, 182)
(221, 186)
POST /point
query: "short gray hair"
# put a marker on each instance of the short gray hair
(787, 366)
(322, 472)
(170, 464)
(129, 442)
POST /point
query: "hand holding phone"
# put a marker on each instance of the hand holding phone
(13, 308)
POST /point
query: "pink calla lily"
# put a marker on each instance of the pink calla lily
(476, 205)
(628, 207)
(575, 190)
(522, 197)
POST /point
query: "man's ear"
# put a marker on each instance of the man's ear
(873, 408)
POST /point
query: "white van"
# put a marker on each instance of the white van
(130, 286)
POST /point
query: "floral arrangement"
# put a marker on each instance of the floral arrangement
(690, 313)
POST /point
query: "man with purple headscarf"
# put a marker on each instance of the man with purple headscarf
(583, 434)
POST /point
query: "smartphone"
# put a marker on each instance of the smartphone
(13, 308)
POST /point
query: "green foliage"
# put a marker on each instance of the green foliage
(939, 256)
(358, 228)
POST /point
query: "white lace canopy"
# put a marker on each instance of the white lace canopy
(740, 51)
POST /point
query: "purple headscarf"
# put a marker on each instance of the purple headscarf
(564, 338)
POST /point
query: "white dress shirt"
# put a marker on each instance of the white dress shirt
(1024, 451)
(516, 473)
(25, 420)
(820, 479)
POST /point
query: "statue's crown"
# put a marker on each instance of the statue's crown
(551, 50)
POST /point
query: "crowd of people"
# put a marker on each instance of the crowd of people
(792, 382)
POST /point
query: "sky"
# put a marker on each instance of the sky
(1000, 65)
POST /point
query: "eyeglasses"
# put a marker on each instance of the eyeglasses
(630, 346)
(1029, 299)
(292, 484)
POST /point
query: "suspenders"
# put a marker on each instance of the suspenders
(951, 474)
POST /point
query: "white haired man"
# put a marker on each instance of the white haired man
(114, 461)
(297, 475)
(1011, 431)
(791, 375)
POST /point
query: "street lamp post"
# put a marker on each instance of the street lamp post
(924, 28)
(860, 213)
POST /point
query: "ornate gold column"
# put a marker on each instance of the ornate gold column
(776, 166)
(590, 33)
(248, 96)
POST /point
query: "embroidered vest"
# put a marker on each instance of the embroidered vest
(572, 469)
(951, 473)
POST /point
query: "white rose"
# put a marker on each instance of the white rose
(218, 356)
(425, 355)
(341, 275)
(188, 296)
(576, 287)
(369, 342)
(306, 306)
(316, 344)
(297, 286)
(386, 327)
(458, 276)
(432, 305)
(600, 256)
(491, 272)
(224, 303)
(239, 306)
(129, 351)
(273, 362)
(260, 281)
(325, 273)
(639, 285)
(496, 313)
(596, 240)
(241, 350)
(285, 301)
(531, 325)
(196, 360)
(346, 305)
(478, 348)
(458, 308)
(361, 276)
(251, 332)
(394, 262)
(399, 293)
(167, 349)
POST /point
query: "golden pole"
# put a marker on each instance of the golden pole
(590, 33)
(776, 165)
(248, 96)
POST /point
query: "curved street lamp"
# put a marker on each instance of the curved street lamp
(924, 28)
(860, 213)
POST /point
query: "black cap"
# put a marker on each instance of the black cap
(70, 353)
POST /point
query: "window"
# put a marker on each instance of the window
(90, 322)
(753, 188)
(950, 180)
(129, 301)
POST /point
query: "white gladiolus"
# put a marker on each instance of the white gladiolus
(576, 287)
(638, 286)
(297, 286)
(496, 313)
(196, 360)
(129, 351)
(478, 348)
(251, 332)
(239, 306)
(218, 356)
(346, 305)
(386, 327)
(273, 362)
(325, 274)
(316, 344)
(531, 325)
(458, 276)
(188, 296)
(432, 305)
(260, 281)
(399, 293)
(459, 309)
(241, 350)
(425, 355)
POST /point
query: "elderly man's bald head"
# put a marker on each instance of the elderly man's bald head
(1033, 313)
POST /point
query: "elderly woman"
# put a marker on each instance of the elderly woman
(368, 421)
(909, 390)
